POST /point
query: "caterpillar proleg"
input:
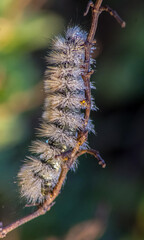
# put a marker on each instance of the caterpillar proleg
(62, 117)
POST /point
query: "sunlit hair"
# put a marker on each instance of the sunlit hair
(62, 117)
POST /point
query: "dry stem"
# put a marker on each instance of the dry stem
(82, 136)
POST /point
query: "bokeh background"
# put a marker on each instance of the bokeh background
(95, 203)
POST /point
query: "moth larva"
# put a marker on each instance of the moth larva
(62, 117)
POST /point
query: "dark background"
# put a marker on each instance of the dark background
(111, 198)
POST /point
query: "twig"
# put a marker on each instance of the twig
(93, 152)
(42, 209)
(82, 136)
(88, 44)
(114, 14)
(90, 4)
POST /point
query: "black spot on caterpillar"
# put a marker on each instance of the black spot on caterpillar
(62, 117)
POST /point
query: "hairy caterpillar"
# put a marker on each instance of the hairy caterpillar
(62, 117)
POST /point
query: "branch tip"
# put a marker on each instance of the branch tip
(89, 5)
(95, 154)
(102, 163)
(114, 14)
(123, 25)
(32, 205)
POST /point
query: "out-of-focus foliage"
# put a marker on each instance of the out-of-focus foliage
(124, 77)
(26, 28)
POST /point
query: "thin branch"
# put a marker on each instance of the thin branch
(89, 5)
(114, 14)
(95, 153)
(82, 135)
(89, 42)
(41, 210)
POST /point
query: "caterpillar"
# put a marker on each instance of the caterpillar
(62, 118)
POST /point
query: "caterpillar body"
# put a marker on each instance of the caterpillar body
(62, 117)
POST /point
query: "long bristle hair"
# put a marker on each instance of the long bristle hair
(62, 117)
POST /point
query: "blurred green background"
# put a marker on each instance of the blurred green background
(111, 199)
